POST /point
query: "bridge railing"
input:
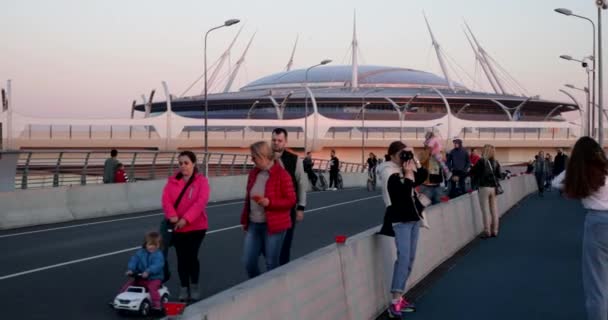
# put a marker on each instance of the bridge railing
(42, 169)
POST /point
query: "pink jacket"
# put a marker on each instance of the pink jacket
(192, 207)
(434, 144)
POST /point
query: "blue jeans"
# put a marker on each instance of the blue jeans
(595, 264)
(434, 193)
(406, 240)
(256, 239)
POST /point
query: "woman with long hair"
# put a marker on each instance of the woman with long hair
(585, 179)
(399, 175)
(486, 174)
(184, 202)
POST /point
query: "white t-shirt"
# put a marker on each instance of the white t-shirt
(596, 201)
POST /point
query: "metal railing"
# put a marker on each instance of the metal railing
(42, 169)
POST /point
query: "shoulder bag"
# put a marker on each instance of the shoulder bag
(498, 187)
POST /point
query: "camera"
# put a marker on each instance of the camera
(406, 156)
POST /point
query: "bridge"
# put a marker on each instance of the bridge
(68, 255)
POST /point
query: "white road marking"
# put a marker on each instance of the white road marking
(9, 276)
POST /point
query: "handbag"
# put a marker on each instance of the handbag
(422, 201)
(166, 227)
(498, 189)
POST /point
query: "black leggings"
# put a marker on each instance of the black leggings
(187, 245)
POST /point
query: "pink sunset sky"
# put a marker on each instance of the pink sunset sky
(69, 58)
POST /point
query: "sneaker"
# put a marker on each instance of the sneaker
(184, 294)
(194, 292)
(394, 310)
(406, 306)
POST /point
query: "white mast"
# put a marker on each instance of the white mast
(293, 52)
(485, 60)
(223, 59)
(484, 67)
(238, 66)
(354, 84)
(439, 56)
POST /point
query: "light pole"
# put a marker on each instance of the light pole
(589, 106)
(401, 111)
(227, 23)
(323, 62)
(568, 12)
(590, 109)
(363, 105)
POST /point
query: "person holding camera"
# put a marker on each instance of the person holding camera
(400, 174)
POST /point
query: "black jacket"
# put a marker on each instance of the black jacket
(483, 175)
(559, 164)
(334, 164)
(402, 203)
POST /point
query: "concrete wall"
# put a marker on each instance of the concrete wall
(352, 281)
(23, 208)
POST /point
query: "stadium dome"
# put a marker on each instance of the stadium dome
(340, 76)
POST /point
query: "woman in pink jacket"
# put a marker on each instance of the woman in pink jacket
(189, 218)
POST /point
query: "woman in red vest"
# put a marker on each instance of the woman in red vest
(265, 218)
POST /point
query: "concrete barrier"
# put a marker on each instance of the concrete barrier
(24, 208)
(352, 280)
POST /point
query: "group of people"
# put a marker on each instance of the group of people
(402, 173)
(113, 170)
(334, 171)
(545, 168)
(275, 200)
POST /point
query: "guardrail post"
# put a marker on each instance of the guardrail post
(232, 165)
(153, 171)
(219, 165)
(171, 165)
(26, 170)
(56, 174)
(245, 163)
(83, 175)
(132, 171)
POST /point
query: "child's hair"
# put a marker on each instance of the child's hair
(154, 238)
(119, 165)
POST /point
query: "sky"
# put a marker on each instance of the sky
(91, 59)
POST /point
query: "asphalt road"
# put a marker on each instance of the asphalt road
(72, 270)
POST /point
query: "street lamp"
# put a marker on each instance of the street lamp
(323, 62)
(589, 70)
(401, 111)
(601, 5)
(363, 105)
(227, 23)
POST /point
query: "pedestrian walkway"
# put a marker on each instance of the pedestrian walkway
(531, 271)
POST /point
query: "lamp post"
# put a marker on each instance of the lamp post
(401, 111)
(363, 105)
(227, 23)
(590, 109)
(589, 106)
(568, 12)
(323, 62)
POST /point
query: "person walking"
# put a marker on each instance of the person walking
(109, 167)
(265, 218)
(559, 164)
(295, 167)
(540, 172)
(400, 174)
(334, 168)
(486, 173)
(184, 202)
(549, 174)
(308, 164)
(586, 178)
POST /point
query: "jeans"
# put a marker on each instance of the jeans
(286, 247)
(595, 264)
(257, 237)
(434, 193)
(152, 285)
(187, 245)
(540, 182)
(406, 240)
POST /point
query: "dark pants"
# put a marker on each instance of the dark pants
(333, 179)
(286, 248)
(312, 177)
(540, 182)
(458, 188)
(187, 245)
